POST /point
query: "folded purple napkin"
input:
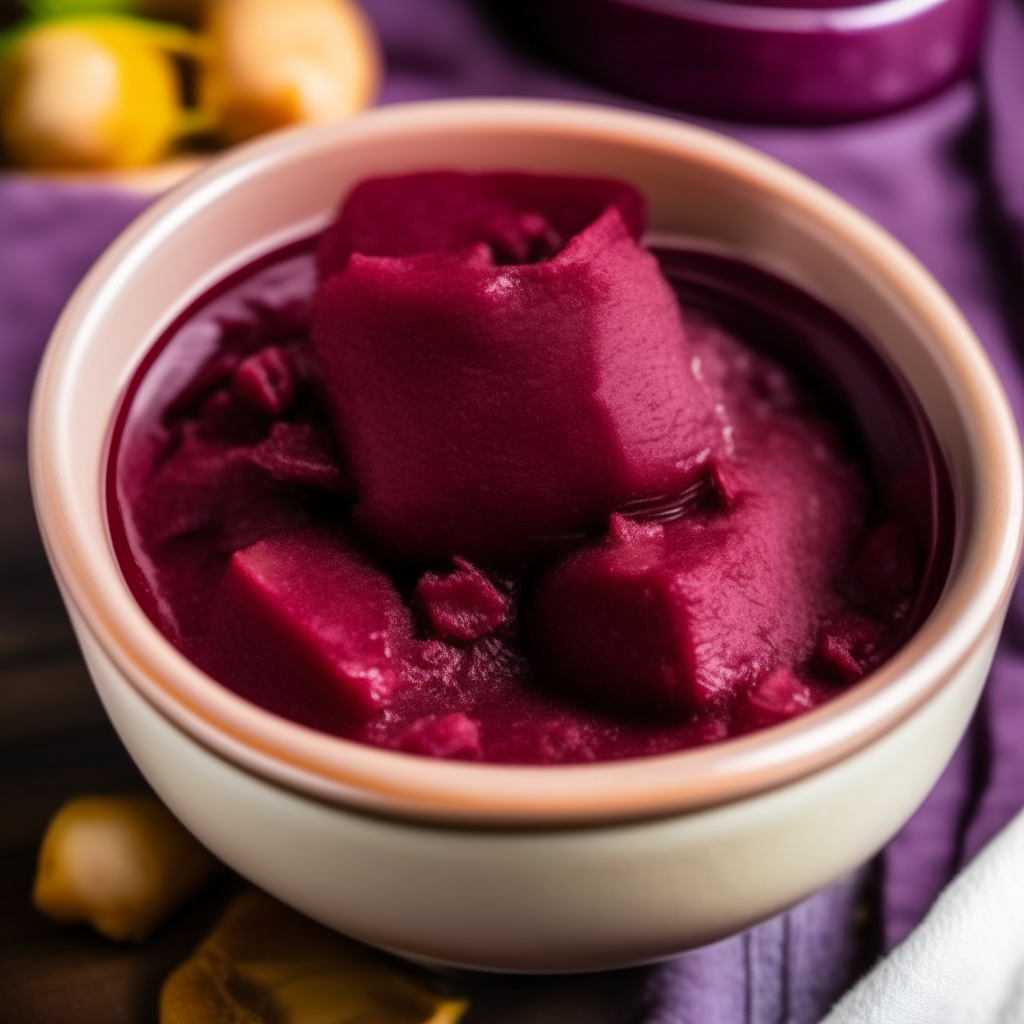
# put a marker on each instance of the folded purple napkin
(947, 178)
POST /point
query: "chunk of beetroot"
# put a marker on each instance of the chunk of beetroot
(777, 697)
(305, 623)
(522, 218)
(463, 605)
(242, 492)
(455, 735)
(848, 647)
(212, 375)
(660, 621)
(212, 487)
(501, 411)
(264, 381)
(302, 454)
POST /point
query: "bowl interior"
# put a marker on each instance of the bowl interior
(868, 401)
(701, 189)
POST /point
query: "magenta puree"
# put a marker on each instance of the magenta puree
(483, 478)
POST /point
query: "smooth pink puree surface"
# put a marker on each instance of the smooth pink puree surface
(471, 483)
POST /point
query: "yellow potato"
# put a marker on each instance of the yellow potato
(120, 863)
(91, 92)
(266, 964)
(270, 64)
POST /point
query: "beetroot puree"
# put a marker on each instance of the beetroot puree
(476, 486)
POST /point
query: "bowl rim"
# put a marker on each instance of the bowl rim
(384, 782)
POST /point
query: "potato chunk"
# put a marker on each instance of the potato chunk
(121, 863)
(270, 64)
(267, 963)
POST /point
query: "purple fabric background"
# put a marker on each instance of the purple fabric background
(946, 178)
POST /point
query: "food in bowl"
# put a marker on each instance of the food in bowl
(475, 475)
(466, 862)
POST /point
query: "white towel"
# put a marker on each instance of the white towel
(964, 964)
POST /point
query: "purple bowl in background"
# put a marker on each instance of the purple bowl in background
(758, 61)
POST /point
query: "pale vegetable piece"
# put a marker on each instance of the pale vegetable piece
(121, 863)
(92, 92)
(267, 963)
(271, 64)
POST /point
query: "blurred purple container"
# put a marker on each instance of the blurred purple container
(806, 62)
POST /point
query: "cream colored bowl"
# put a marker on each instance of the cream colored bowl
(530, 868)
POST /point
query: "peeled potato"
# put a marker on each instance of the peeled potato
(266, 963)
(270, 64)
(122, 864)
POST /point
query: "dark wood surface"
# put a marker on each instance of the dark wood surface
(56, 743)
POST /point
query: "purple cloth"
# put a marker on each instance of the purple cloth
(947, 178)
(49, 237)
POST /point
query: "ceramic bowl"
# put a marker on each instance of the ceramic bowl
(530, 868)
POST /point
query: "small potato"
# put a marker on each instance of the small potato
(91, 92)
(120, 863)
(269, 64)
(267, 964)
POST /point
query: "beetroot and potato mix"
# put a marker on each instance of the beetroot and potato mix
(484, 490)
